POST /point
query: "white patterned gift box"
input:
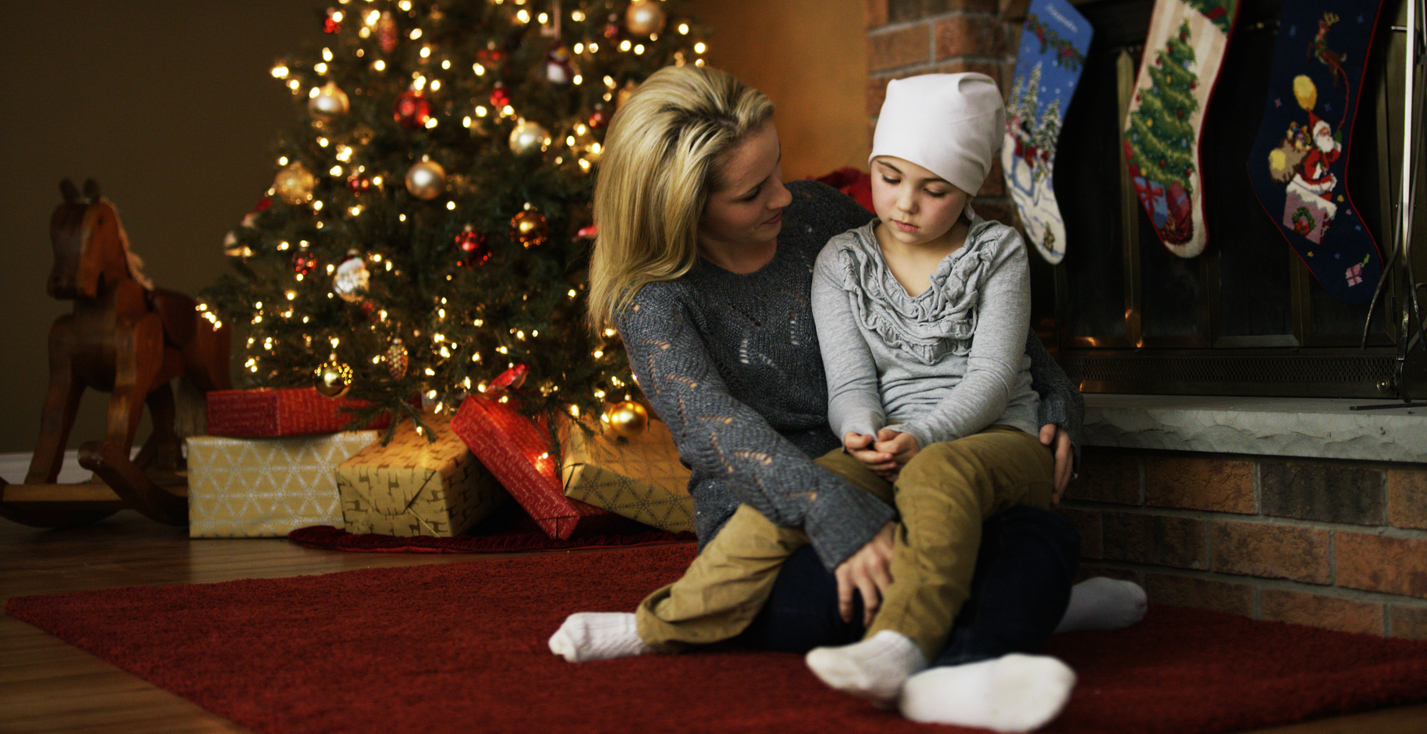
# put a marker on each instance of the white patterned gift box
(266, 487)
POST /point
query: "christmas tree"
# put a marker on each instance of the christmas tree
(429, 218)
(1159, 140)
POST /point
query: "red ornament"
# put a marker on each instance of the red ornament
(599, 118)
(612, 30)
(303, 263)
(331, 24)
(386, 31)
(499, 96)
(490, 55)
(474, 245)
(412, 110)
(358, 184)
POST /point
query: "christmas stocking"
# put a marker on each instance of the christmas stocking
(1183, 53)
(1050, 60)
(1301, 152)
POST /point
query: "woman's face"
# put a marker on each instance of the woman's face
(746, 207)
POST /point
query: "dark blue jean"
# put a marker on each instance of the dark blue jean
(1024, 571)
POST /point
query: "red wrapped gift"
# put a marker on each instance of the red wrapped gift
(517, 452)
(281, 412)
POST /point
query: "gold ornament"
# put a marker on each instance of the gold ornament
(329, 102)
(529, 228)
(528, 137)
(351, 280)
(293, 184)
(333, 379)
(396, 359)
(644, 17)
(426, 180)
(627, 419)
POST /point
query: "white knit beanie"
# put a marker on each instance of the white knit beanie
(949, 124)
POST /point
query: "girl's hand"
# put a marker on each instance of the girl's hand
(859, 445)
(1059, 442)
(867, 571)
(901, 446)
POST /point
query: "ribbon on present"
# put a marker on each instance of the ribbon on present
(1147, 191)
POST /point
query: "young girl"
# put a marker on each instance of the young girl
(941, 486)
(922, 315)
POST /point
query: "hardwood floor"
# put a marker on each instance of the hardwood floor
(48, 686)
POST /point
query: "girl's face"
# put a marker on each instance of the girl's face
(917, 206)
(746, 207)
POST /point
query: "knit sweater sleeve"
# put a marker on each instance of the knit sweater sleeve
(1061, 402)
(720, 436)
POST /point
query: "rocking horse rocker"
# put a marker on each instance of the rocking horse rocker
(124, 337)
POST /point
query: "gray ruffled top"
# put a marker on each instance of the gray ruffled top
(943, 364)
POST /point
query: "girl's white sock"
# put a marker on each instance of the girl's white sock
(1014, 693)
(1103, 603)
(874, 668)
(587, 636)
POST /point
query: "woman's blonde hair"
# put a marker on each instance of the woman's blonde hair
(660, 160)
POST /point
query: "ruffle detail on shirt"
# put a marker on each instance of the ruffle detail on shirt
(927, 327)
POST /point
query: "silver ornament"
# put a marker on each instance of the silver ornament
(528, 137)
(329, 102)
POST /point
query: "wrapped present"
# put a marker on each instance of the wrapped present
(280, 412)
(518, 453)
(413, 486)
(266, 487)
(640, 478)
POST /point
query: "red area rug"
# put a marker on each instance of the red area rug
(461, 648)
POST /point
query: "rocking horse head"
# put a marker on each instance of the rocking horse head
(91, 251)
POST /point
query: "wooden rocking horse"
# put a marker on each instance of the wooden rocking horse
(126, 338)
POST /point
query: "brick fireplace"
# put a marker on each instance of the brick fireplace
(1280, 508)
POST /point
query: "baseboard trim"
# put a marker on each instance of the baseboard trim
(14, 467)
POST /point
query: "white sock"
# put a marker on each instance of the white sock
(590, 636)
(874, 668)
(1011, 693)
(1103, 603)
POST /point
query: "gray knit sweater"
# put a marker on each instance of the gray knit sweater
(941, 365)
(731, 363)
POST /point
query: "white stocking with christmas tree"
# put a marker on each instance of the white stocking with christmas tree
(1300, 156)
(1183, 53)
(1048, 67)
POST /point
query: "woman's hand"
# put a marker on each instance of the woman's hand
(866, 571)
(1059, 442)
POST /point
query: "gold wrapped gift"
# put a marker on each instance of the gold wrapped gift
(266, 487)
(413, 486)
(639, 478)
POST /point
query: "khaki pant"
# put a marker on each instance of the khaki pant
(943, 495)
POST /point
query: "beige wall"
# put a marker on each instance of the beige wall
(170, 106)
(810, 58)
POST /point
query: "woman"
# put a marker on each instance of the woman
(704, 264)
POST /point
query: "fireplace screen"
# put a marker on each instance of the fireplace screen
(1245, 317)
